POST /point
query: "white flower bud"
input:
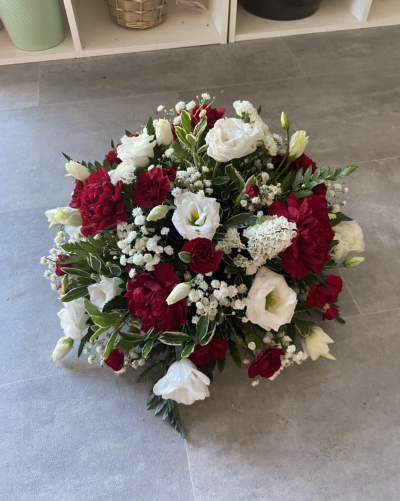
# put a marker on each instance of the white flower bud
(179, 292)
(251, 346)
(297, 145)
(77, 171)
(164, 135)
(64, 215)
(285, 124)
(158, 212)
(352, 262)
(63, 347)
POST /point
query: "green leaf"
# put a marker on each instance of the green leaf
(297, 179)
(98, 333)
(200, 128)
(150, 127)
(232, 270)
(202, 326)
(185, 257)
(253, 338)
(234, 175)
(234, 352)
(176, 146)
(303, 326)
(339, 218)
(287, 181)
(84, 340)
(66, 156)
(135, 338)
(181, 135)
(90, 307)
(147, 348)
(76, 272)
(207, 338)
(221, 364)
(301, 306)
(87, 247)
(106, 319)
(203, 148)
(74, 294)
(110, 344)
(307, 175)
(188, 349)
(96, 263)
(303, 193)
(174, 338)
(218, 181)
(115, 270)
(240, 221)
(185, 121)
(151, 371)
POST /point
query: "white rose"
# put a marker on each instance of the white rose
(270, 302)
(230, 138)
(64, 215)
(164, 135)
(350, 237)
(183, 383)
(137, 150)
(104, 291)
(77, 171)
(316, 344)
(196, 216)
(297, 145)
(63, 347)
(73, 319)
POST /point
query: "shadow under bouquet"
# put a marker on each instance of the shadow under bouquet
(198, 237)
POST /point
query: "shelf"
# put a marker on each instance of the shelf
(9, 54)
(183, 27)
(384, 13)
(332, 15)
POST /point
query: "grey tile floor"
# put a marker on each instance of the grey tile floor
(323, 431)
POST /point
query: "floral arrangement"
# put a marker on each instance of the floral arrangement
(197, 237)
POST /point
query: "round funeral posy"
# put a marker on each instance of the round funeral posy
(198, 237)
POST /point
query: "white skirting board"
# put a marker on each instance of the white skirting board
(91, 32)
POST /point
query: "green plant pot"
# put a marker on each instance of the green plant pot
(33, 24)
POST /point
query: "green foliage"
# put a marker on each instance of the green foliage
(202, 326)
(169, 415)
(234, 175)
(151, 371)
(303, 326)
(188, 349)
(234, 352)
(84, 340)
(174, 338)
(75, 293)
(308, 181)
(185, 121)
(110, 344)
(147, 348)
(150, 127)
(339, 218)
(240, 221)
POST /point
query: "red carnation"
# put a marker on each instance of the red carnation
(115, 360)
(303, 162)
(170, 173)
(60, 258)
(322, 296)
(147, 299)
(252, 191)
(212, 352)
(151, 189)
(266, 363)
(76, 195)
(204, 256)
(112, 158)
(101, 203)
(309, 249)
(212, 115)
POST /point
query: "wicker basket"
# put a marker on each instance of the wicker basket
(138, 14)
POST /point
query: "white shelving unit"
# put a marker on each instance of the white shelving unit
(333, 15)
(91, 32)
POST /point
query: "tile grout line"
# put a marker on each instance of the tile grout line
(372, 313)
(351, 294)
(45, 376)
(190, 471)
(304, 74)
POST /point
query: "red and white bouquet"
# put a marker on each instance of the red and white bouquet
(197, 237)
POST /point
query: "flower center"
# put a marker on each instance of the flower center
(270, 301)
(194, 216)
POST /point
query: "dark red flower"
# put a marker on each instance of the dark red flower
(252, 191)
(303, 162)
(204, 256)
(112, 158)
(320, 190)
(76, 195)
(319, 294)
(60, 258)
(151, 189)
(170, 172)
(212, 352)
(146, 299)
(212, 114)
(330, 313)
(309, 249)
(102, 203)
(115, 360)
(266, 363)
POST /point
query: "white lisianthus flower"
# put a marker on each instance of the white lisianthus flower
(64, 215)
(316, 344)
(230, 138)
(179, 292)
(137, 150)
(183, 383)
(297, 145)
(350, 237)
(104, 291)
(73, 319)
(196, 216)
(63, 347)
(270, 302)
(77, 170)
(124, 172)
(164, 135)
